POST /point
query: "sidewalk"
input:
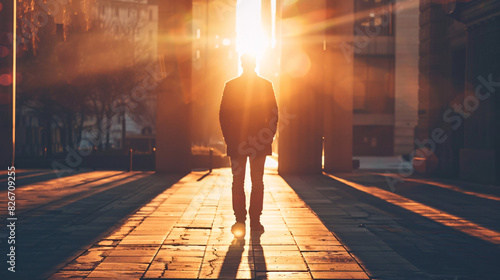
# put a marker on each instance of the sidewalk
(132, 225)
(418, 229)
(185, 233)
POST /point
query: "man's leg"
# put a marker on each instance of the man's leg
(238, 165)
(257, 196)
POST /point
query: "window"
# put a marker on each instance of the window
(376, 17)
(60, 32)
(373, 84)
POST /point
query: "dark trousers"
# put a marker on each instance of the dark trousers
(238, 166)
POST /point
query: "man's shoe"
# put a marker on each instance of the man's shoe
(256, 227)
(238, 229)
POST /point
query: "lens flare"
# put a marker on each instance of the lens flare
(250, 36)
(238, 230)
(239, 233)
(298, 65)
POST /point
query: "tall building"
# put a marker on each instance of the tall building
(6, 28)
(133, 19)
(459, 118)
(137, 22)
(385, 77)
(215, 61)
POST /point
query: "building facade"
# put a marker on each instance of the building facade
(6, 28)
(459, 119)
(137, 22)
(215, 61)
(385, 77)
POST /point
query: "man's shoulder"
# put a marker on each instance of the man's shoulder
(233, 80)
(240, 80)
(264, 80)
(242, 77)
(266, 84)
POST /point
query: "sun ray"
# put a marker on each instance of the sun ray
(250, 34)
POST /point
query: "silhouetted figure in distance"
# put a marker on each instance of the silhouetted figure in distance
(248, 117)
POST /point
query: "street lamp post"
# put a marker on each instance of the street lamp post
(14, 70)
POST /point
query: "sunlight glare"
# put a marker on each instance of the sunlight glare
(250, 36)
(239, 233)
(429, 212)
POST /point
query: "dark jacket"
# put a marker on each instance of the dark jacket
(248, 115)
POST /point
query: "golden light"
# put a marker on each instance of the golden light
(272, 162)
(441, 185)
(250, 36)
(238, 229)
(298, 65)
(239, 233)
(431, 213)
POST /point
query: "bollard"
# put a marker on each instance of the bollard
(154, 159)
(131, 155)
(211, 159)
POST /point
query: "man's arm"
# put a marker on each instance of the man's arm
(273, 109)
(223, 112)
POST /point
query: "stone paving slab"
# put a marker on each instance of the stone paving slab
(59, 192)
(119, 225)
(60, 219)
(393, 238)
(184, 233)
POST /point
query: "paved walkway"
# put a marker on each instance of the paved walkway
(185, 233)
(409, 230)
(362, 225)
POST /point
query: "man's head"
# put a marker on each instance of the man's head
(248, 62)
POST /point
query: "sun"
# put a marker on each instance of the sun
(250, 36)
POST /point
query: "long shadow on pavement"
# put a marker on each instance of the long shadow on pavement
(234, 256)
(450, 201)
(229, 268)
(259, 257)
(391, 241)
(46, 240)
(27, 177)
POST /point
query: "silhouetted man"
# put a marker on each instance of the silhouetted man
(248, 118)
